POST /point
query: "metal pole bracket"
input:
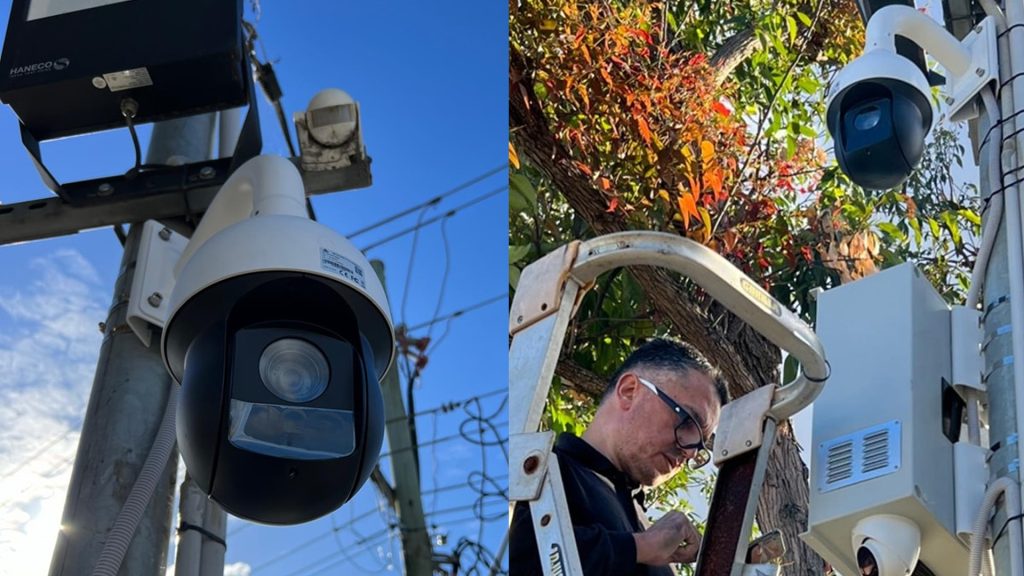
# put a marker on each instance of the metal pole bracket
(741, 425)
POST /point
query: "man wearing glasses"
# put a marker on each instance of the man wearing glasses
(657, 415)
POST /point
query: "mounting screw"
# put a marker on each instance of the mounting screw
(979, 71)
(155, 299)
(749, 443)
(949, 100)
(519, 320)
(105, 189)
(545, 520)
(977, 29)
(207, 172)
(165, 234)
(725, 452)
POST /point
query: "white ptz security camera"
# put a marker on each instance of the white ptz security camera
(886, 545)
(878, 113)
(329, 131)
(879, 108)
(278, 331)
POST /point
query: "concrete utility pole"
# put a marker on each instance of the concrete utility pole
(126, 406)
(416, 548)
(199, 554)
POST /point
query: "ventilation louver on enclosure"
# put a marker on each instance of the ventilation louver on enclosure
(859, 456)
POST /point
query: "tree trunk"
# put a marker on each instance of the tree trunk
(784, 497)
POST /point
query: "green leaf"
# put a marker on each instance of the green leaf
(933, 225)
(915, 225)
(791, 24)
(954, 230)
(523, 198)
(970, 215)
(790, 369)
(891, 229)
(513, 276)
(804, 18)
(517, 253)
(808, 84)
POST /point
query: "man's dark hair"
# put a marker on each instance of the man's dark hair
(666, 354)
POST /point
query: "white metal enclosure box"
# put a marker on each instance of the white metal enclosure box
(878, 445)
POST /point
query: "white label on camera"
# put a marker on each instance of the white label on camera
(127, 79)
(333, 262)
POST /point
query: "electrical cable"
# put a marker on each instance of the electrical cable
(39, 452)
(483, 561)
(412, 260)
(344, 552)
(458, 313)
(451, 406)
(433, 201)
(310, 542)
(450, 487)
(129, 110)
(480, 419)
(448, 214)
(442, 440)
(433, 465)
(120, 535)
(444, 275)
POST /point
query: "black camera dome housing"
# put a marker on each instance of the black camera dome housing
(879, 114)
(259, 455)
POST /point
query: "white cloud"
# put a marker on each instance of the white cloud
(49, 343)
(237, 569)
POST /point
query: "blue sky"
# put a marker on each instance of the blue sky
(431, 84)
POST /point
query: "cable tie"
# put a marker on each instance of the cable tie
(185, 526)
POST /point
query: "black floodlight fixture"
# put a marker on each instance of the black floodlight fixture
(75, 67)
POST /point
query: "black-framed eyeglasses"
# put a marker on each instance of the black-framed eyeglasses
(688, 433)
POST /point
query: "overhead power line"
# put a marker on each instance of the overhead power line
(432, 201)
(447, 214)
(458, 313)
(451, 406)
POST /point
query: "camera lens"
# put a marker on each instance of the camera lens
(294, 370)
(867, 118)
(866, 562)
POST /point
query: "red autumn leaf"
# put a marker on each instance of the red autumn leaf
(583, 168)
(641, 34)
(613, 204)
(713, 179)
(688, 208)
(721, 109)
(806, 251)
(645, 130)
(606, 184)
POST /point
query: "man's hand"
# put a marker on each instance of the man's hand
(671, 539)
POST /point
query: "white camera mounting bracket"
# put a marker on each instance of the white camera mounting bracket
(971, 64)
(160, 248)
(984, 68)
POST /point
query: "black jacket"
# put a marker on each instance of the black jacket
(604, 514)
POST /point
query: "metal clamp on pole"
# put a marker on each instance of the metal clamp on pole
(549, 291)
